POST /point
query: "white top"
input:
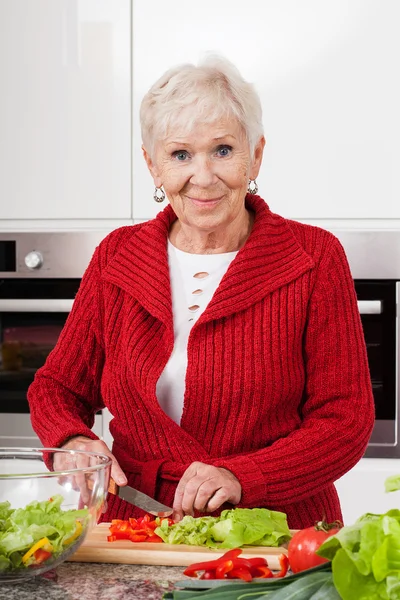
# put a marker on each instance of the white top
(194, 279)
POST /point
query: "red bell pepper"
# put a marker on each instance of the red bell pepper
(208, 575)
(41, 555)
(231, 565)
(284, 563)
(135, 530)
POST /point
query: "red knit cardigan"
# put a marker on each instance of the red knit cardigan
(277, 384)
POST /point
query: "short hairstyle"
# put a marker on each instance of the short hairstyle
(188, 94)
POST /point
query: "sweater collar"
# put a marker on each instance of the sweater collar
(270, 259)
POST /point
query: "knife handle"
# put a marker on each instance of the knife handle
(113, 487)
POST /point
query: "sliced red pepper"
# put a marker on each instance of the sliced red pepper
(241, 563)
(155, 539)
(263, 572)
(284, 564)
(191, 570)
(234, 553)
(224, 564)
(257, 561)
(240, 573)
(137, 538)
(41, 555)
(135, 530)
(231, 565)
(209, 574)
(223, 568)
(122, 535)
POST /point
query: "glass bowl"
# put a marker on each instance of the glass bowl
(45, 514)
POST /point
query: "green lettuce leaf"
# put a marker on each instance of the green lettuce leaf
(386, 559)
(351, 584)
(392, 484)
(232, 529)
(23, 527)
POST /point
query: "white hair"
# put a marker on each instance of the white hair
(188, 94)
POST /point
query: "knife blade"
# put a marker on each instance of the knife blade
(139, 499)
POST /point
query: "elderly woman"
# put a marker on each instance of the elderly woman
(224, 339)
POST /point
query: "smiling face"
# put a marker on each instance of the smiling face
(205, 174)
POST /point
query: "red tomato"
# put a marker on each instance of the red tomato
(304, 543)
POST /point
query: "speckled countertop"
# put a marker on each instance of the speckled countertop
(94, 581)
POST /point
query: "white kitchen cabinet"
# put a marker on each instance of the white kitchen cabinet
(327, 73)
(65, 109)
(362, 489)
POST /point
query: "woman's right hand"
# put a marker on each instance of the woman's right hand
(62, 462)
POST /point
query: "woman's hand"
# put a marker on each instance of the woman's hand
(62, 462)
(205, 488)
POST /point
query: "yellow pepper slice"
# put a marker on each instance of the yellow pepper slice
(76, 533)
(43, 543)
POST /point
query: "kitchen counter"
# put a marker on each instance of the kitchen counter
(94, 581)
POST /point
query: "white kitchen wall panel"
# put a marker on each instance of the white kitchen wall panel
(362, 489)
(16, 430)
(65, 109)
(327, 72)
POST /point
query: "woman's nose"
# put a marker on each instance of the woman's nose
(203, 174)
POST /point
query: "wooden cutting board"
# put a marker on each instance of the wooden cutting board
(96, 548)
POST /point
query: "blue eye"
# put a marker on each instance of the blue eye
(180, 155)
(224, 150)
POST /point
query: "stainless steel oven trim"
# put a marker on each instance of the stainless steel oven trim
(36, 305)
(66, 254)
(383, 430)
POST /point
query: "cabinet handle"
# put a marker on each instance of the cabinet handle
(39, 306)
(370, 307)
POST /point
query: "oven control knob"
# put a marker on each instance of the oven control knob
(34, 260)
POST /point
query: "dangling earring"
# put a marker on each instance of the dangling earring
(159, 195)
(252, 188)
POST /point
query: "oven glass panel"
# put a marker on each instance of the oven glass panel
(8, 261)
(28, 336)
(380, 337)
(27, 340)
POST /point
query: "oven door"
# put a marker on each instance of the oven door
(377, 302)
(32, 315)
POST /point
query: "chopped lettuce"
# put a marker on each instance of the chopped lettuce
(232, 529)
(22, 528)
(392, 484)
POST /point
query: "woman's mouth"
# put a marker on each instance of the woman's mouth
(204, 202)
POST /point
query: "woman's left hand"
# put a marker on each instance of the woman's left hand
(205, 488)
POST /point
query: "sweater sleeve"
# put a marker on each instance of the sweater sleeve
(65, 394)
(337, 409)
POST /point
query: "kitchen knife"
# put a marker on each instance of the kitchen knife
(139, 499)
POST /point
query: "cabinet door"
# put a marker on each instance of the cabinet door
(65, 119)
(327, 74)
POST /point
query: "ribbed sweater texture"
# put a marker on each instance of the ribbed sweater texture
(277, 386)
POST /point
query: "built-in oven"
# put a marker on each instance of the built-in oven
(39, 276)
(374, 258)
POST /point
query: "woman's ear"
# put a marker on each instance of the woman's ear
(257, 158)
(152, 168)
